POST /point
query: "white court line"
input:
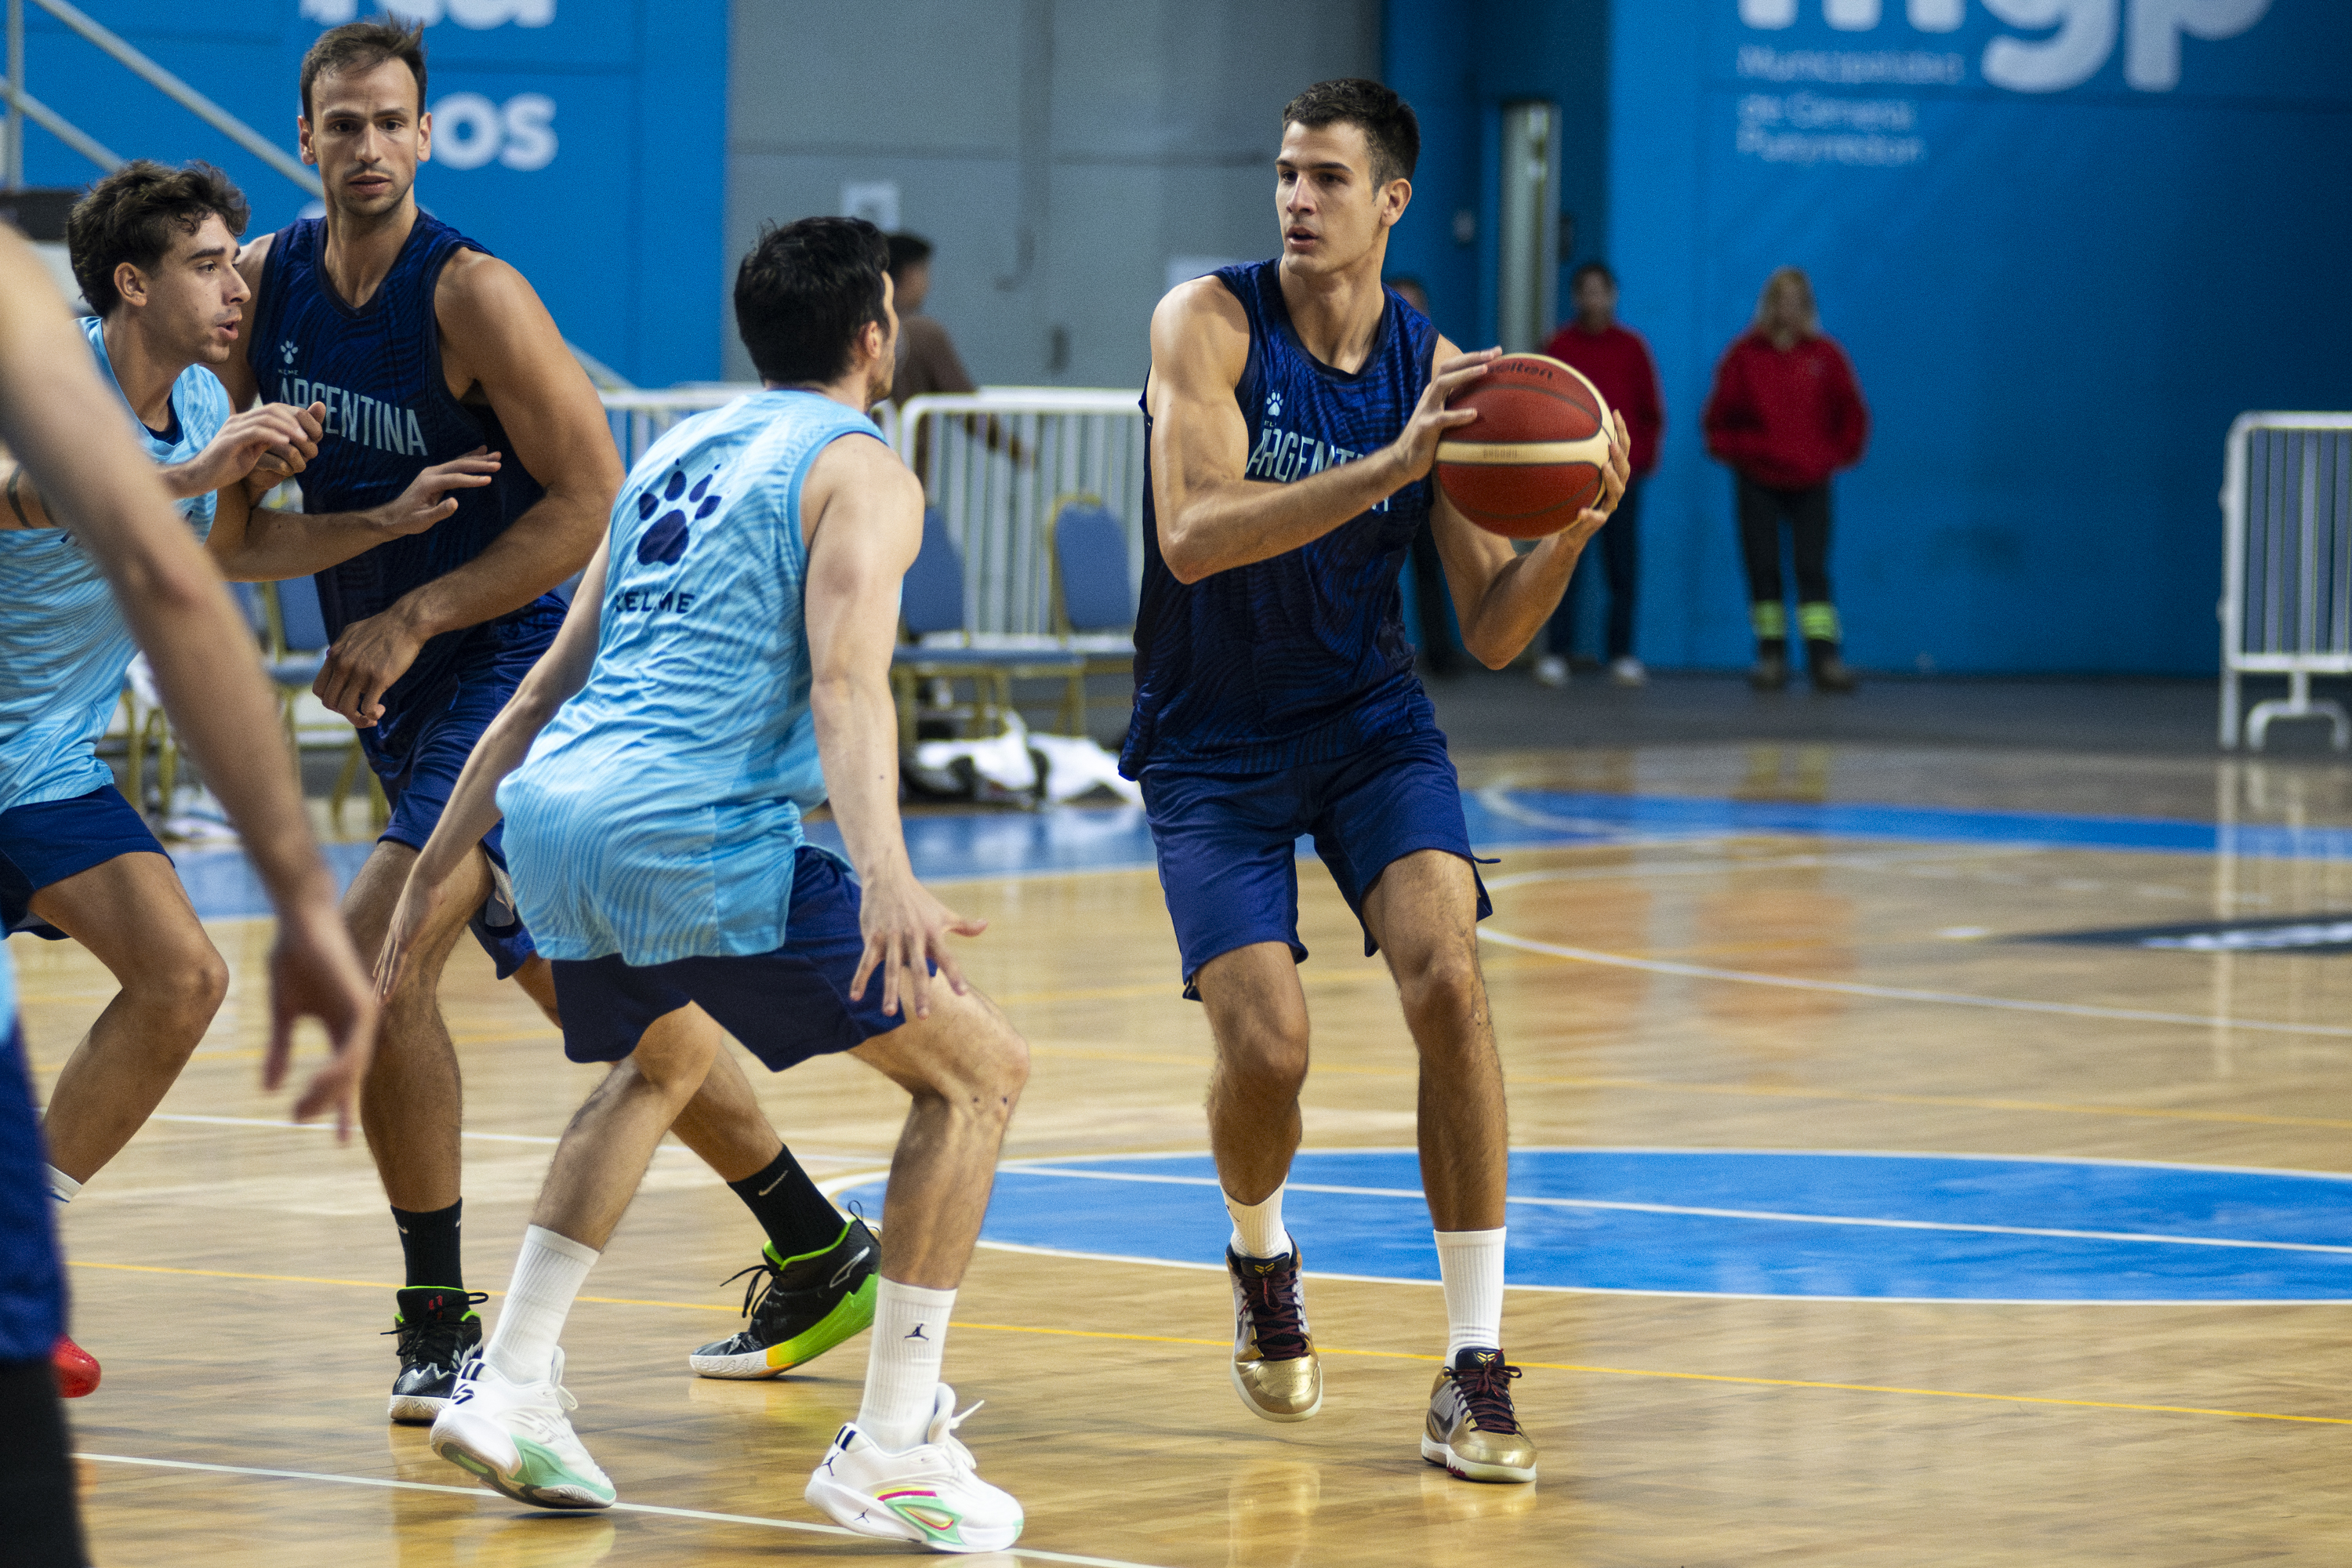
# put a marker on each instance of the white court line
(485, 1494)
(1900, 993)
(1610, 1204)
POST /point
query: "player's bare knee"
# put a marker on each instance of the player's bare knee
(1267, 1057)
(190, 984)
(1442, 981)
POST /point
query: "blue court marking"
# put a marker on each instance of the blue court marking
(1798, 1223)
(954, 847)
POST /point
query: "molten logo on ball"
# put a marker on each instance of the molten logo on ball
(1536, 454)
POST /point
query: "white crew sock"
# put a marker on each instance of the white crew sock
(62, 1187)
(1257, 1228)
(547, 1277)
(1471, 1263)
(902, 1365)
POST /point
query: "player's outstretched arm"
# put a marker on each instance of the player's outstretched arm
(227, 459)
(863, 512)
(473, 808)
(1501, 597)
(1211, 517)
(68, 431)
(253, 543)
(496, 334)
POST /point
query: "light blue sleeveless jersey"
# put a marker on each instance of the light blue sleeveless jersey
(658, 814)
(63, 645)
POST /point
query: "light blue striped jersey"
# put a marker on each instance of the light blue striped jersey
(63, 645)
(658, 814)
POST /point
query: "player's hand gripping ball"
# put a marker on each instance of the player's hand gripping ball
(1535, 456)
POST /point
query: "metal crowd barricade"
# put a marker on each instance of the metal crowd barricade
(998, 464)
(2286, 598)
(639, 415)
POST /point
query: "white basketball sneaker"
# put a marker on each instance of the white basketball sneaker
(930, 1493)
(516, 1437)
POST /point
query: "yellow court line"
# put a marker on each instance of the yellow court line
(1335, 1350)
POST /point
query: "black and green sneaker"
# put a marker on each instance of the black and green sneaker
(438, 1329)
(800, 1307)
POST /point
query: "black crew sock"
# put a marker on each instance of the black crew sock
(429, 1242)
(798, 1218)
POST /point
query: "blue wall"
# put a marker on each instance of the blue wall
(2062, 260)
(584, 140)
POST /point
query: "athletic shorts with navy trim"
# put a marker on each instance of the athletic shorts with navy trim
(32, 1284)
(1228, 843)
(44, 843)
(785, 1006)
(419, 780)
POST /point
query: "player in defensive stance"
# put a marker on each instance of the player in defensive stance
(724, 668)
(154, 250)
(1294, 411)
(428, 350)
(65, 427)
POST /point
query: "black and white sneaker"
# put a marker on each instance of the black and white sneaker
(439, 1329)
(800, 1307)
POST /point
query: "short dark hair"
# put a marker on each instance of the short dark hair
(1390, 128)
(362, 47)
(133, 214)
(804, 293)
(1589, 269)
(908, 251)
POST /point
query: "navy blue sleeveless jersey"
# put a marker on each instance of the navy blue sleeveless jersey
(1302, 657)
(389, 416)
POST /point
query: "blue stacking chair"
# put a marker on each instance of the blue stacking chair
(1094, 598)
(296, 644)
(931, 604)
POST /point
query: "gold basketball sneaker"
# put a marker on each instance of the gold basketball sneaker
(1472, 1429)
(1275, 1367)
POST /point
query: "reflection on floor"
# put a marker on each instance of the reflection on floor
(1992, 1245)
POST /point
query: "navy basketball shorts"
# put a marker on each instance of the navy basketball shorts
(785, 1006)
(420, 780)
(1228, 843)
(44, 843)
(32, 1284)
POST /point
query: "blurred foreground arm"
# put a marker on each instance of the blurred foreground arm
(69, 432)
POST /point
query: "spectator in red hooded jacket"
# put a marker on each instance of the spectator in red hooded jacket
(1618, 362)
(1786, 413)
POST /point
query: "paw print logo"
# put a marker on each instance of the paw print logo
(286, 349)
(665, 540)
(1274, 405)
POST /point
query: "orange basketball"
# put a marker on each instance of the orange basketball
(1534, 457)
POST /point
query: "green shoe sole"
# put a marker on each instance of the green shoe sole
(851, 1316)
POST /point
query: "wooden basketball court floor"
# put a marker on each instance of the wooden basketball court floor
(2125, 1344)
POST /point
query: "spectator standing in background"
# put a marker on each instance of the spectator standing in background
(928, 361)
(1618, 362)
(1785, 413)
(1438, 650)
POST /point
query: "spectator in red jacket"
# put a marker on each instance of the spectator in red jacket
(1617, 362)
(1786, 413)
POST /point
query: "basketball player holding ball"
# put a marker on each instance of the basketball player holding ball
(1294, 410)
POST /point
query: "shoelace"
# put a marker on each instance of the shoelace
(436, 1341)
(1486, 1391)
(766, 1277)
(1274, 1316)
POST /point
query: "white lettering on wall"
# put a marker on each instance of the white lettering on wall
(2081, 37)
(2152, 54)
(468, 130)
(478, 14)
